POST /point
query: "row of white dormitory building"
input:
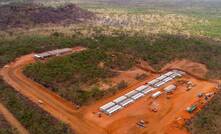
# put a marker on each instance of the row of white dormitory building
(139, 92)
(52, 53)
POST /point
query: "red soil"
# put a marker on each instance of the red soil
(85, 120)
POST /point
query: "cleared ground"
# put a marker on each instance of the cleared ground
(124, 121)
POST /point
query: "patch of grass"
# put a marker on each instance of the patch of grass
(29, 114)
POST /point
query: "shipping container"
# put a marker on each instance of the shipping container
(170, 88)
(157, 94)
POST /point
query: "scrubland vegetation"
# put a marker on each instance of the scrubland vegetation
(29, 114)
(207, 121)
(66, 75)
(5, 128)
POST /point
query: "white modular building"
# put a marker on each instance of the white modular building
(119, 99)
(167, 79)
(107, 106)
(153, 82)
(52, 53)
(157, 94)
(137, 96)
(170, 88)
(147, 91)
(126, 102)
(141, 88)
(131, 93)
(169, 73)
(162, 77)
(113, 109)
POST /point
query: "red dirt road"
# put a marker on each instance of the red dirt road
(12, 120)
(52, 103)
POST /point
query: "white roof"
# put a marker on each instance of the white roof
(168, 73)
(162, 77)
(131, 93)
(153, 82)
(158, 93)
(167, 79)
(107, 106)
(126, 102)
(53, 52)
(141, 88)
(148, 90)
(170, 87)
(113, 109)
(137, 96)
(119, 99)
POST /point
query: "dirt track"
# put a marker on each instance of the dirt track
(12, 120)
(84, 121)
(55, 105)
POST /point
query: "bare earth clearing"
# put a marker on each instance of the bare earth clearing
(171, 114)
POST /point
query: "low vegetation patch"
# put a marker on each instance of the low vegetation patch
(207, 120)
(29, 114)
(5, 128)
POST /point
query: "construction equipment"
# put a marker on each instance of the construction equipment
(191, 108)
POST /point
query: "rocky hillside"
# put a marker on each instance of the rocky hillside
(25, 15)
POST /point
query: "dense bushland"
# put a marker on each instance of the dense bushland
(29, 114)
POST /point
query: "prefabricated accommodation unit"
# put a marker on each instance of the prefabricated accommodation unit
(52, 53)
(141, 88)
(153, 82)
(157, 94)
(167, 79)
(119, 99)
(169, 73)
(170, 88)
(113, 109)
(160, 83)
(137, 96)
(126, 102)
(162, 77)
(105, 107)
(148, 90)
(131, 93)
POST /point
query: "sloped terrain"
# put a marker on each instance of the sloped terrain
(23, 15)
